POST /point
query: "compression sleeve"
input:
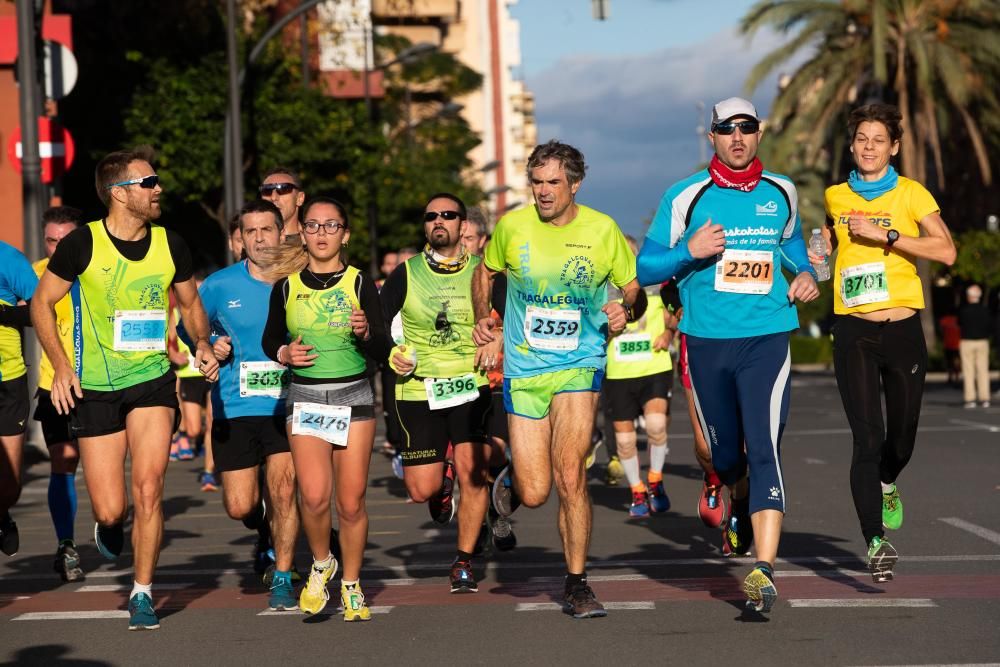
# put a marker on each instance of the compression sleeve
(378, 344)
(658, 263)
(275, 330)
(16, 316)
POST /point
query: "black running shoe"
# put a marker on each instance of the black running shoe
(462, 580)
(501, 531)
(582, 603)
(110, 539)
(442, 506)
(738, 533)
(10, 539)
(504, 497)
(67, 562)
(261, 556)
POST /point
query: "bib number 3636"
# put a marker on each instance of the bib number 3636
(263, 378)
(326, 422)
(548, 329)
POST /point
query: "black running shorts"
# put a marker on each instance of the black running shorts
(426, 432)
(14, 406)
(245, 442)
(626, 398)
(55, 427)
(104, 412)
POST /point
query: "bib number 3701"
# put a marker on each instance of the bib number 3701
(548, 329)
(745, 272)
(326, 422)
(864, 283)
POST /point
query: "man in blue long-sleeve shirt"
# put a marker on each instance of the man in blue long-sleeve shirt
(724, 234)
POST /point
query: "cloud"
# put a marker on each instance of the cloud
(634, 117)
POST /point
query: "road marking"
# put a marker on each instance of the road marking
(827, 603)
(115, 588)
(611, 606)
(978, 531)
(377, 609)
(814, 462)
(976, 425)
(71, 615)
(952, 664)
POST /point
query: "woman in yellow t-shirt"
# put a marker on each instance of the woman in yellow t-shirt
(882, 223)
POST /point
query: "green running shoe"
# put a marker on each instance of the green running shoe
(882, 557)
(892, 509)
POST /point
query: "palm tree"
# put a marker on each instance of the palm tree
(937, 60)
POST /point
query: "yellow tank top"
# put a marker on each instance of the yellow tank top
(631, 353)
(867, 279)
(64, 325)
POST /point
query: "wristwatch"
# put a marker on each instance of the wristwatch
(629, 313)
(891, 238)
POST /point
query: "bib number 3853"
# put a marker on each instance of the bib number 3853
(864, 283)
(548, 329)
(633, 347)
(140, 330)
(745, 272)
(326, 422)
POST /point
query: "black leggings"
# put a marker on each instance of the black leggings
(870, 356)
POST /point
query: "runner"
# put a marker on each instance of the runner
(192, 392)
(235, 239)
(441, 397)
(324, 318)
(558, 256)
(639, 381)
(721, 232)
(119, 391)
(17, 283)
(64, 451)
(248, 406)
(882, 223)
(282, 188)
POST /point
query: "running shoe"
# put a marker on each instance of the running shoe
(760, 589)
(397, 465)
(738, 534)
(505, 498)
(640, 505)
(353, 601)
(658, 499)
(282, 597)
(208, 481)
(315, 595)
(582, 603)
(882, 557)
(268, 577)
(185, 452)
(141, 614)
(970, 405)
(262, 559)
(442, 506)
(461, 577)
(67, 562)
(892, 509)
(595, 443)
(501, 531)
(10, 538)
(615, 472)
(175, 447)
(711, 507)
(110, 539)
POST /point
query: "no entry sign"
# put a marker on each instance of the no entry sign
(55, 147)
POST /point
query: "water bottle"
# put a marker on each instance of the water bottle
(818, 246)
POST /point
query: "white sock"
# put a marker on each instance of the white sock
(657, 457)
(348, 584)
(323, 564)
(887, 488)
(632, 470)
(141, 588)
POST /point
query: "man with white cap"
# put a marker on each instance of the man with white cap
(724, 234)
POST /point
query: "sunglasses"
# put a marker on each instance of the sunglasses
(431, 216)
(147, 182)
(280, 188)
(313, 227)
(744, 126)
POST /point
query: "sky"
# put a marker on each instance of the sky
(625, 91)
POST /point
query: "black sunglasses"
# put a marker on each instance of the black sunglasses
(147, 182)
(280, 188)
(431, 216)
(745, 127)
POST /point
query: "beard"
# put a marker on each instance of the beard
(144, 210)
(438, 241)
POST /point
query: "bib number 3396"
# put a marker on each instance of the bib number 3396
(326, 422)
(448, 392)
(745, 272)
(548, 329)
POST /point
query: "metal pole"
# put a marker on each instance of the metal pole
(304, 46)
(235, 194)
(372, 185)
(31, 163)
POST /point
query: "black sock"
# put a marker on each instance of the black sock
(496, 470)
(574, 580)
(463, 556)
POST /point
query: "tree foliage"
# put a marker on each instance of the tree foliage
(978, 258)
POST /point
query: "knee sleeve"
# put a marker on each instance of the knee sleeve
(656, 429)
(626, 444)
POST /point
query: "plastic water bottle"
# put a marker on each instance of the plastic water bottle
(818, 246)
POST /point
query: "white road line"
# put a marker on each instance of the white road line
(383, 609)
(115, 588)
(611, 606)
(952, 664)
(71, 615)
(814, 462)
(978, 531)
(822, 603)
(992, 428)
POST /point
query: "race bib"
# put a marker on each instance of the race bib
(745, 272)
(140, 330)
(447, 392)
(548, 329)
(863, 283)
(633, 347)
(326, 422)
(263, 378)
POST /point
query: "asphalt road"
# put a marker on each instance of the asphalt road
(673, 597)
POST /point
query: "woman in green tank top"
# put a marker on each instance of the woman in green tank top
(324, 322)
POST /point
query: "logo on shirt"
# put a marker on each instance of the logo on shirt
(152, 296)
(775, 492)
(880, 218)
(751, 231)
(768, 209)
(577, 272)
(235, 303)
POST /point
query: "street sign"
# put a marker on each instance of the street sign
(60, 70)
(55, 147)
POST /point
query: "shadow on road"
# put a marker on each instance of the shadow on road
(51, 654)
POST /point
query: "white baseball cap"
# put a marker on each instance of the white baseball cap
(732, 107)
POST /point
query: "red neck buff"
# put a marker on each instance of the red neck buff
(744, 181)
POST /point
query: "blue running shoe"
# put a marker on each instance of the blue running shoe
(282, 596)
(658, 499)
(640, 505)
(397, 466)
(141, 614)
(738, 534)
(110, 540)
